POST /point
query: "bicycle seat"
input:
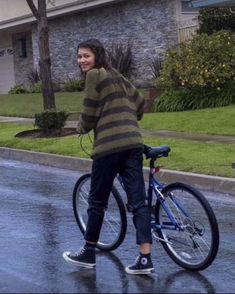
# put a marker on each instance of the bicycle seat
(156, 152)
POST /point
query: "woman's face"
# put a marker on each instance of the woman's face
(86, 59)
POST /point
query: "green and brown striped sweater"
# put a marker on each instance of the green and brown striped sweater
(111, 107)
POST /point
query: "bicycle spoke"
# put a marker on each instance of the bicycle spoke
(114, 224)
(193, 243)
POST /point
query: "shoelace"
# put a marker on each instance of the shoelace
(81, 251)
(137, 260)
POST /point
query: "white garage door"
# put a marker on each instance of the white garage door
(7, 79)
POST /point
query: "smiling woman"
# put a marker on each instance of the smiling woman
(86, 59)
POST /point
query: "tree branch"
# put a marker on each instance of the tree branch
(52, 2)
(33, 8)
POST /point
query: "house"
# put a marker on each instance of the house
(152, 26)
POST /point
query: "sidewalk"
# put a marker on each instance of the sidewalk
(177, 135)
(162, 133)
(12, 119)
(212, 183)
(197, 137)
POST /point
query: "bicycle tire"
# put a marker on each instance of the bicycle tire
(114, 226)
(196, 245)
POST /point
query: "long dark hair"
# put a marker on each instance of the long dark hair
(101, 59)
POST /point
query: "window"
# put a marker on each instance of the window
(6, 52)
(187, 8)
(22, 48)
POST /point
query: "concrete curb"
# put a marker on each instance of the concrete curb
(211, 183)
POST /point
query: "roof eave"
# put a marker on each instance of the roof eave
(212, 3)
(56, 11)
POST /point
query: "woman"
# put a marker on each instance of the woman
(111, 108)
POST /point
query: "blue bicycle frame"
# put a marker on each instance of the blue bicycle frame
(156, 187)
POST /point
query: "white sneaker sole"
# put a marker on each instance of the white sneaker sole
(140, 272)
(77, 263)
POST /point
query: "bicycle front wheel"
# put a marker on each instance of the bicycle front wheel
(194, 243)
(114, 226)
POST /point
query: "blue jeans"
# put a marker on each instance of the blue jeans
(129, 164)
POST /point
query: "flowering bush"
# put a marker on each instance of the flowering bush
(207, 62)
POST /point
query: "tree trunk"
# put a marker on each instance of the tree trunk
(45, 61)
(44, 53)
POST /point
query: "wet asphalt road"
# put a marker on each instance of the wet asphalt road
(37, 225)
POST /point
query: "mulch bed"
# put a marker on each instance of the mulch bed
(37, 133)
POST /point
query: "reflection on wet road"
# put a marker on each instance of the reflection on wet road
(37, 225)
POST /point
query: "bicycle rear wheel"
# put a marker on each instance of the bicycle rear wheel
(114, 226)
(195, 245)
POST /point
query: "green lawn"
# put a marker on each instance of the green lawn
(186, 155)
(26, 105)
(215, 121)
(218, 121)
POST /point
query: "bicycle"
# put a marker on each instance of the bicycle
(182, 219)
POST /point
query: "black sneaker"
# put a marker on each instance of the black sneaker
(143, 266)
(85, 257)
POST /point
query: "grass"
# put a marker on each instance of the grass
(186, 155)
(26, 105)
(215, 121)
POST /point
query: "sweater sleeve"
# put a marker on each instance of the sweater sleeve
(91, 104)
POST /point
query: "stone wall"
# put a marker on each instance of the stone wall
(22, 65)
(151, 26)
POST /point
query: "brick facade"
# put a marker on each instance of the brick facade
(23, 65)
(151, 26)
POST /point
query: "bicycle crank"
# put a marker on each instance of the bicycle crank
(160, 239)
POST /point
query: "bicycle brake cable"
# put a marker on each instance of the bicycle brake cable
(81, 143)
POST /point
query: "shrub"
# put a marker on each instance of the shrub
(185, 99)
(33, 76)
(17, 89)
(171, 100)
(155, 65)
(121, 58)
(56, 86)
(74, 86)
(208, 61)
(206, 64)
(51, 121)
(214, 19)
(36, 87)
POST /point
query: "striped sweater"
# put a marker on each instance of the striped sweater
(111, 107)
